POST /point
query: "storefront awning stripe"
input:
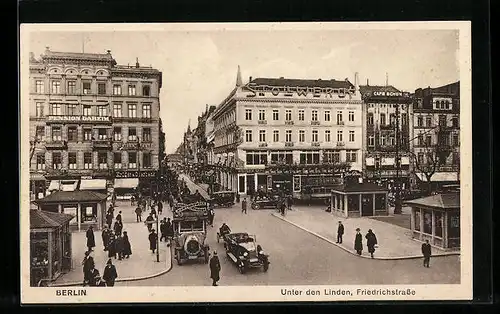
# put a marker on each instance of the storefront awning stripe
(54, 185)
(129, 183)
(69, 186)
(94, 184)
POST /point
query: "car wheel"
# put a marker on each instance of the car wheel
(256, 206)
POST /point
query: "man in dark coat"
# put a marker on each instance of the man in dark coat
(358, 242)
(109, 275)
(371, 241)
(214, 269)
(111, 245)
(160, 208)
(138, 213)
(119, 246)
(88, 264)
(340, 232)
(109, 219)
(90, 238)
(149, 222)
(163, 229)
(94, 277)
(426, 251)
(105, 236)
(119, 216)
(244, 205)
(111, 209)
(127, 247)
(153, 237)
(118, 227)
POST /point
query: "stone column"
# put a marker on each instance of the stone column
(346, 206)
(374, 206)
(360, 205)
(79, 216)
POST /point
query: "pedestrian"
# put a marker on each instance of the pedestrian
(127, 248)
(244, 205)
(170, 231)
(371, 242)
(153, 212)
(94, 277)
(289, 202)
(111, 209)
(358, 242)
(109, 219)
(88, 264)
(119, 246)
(138, 214)
(160, 207)
(237, 197)
(105, 236)
(119, 216)
(163, 229)
(426, 251)
(90, 238)
(282, 206)
(215, 269)
(113, 199)
(109, 275)
(118, 228)
(132, 200)
(340, 232)
(211, 216)
(153, 237)
(111, 245)
(149, 222)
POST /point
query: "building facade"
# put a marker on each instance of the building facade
(92, 120)
(387, 112)
(289, 135)
(436, 133)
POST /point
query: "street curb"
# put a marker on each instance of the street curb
(354, 253)
(163, 272)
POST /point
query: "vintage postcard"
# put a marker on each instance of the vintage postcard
(246, 162)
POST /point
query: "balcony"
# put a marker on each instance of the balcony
(262, 121)
(262, 144)
(288, 144)
(340, 144)
(102, 144)
(56, 145)
(315, 122)
(340, 123)
(289, 122)
(315, 144)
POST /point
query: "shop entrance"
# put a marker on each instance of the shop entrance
(250, 184)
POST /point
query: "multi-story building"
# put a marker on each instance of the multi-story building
(92, 121)
(386, 113)
(436, 133)
(292, 135)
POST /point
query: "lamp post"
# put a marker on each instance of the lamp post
(397, 195)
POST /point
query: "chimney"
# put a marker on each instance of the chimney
(137, 62)
(249, 79)
(356, 80)
(206, 108)
(239, 82)
(108, 51)
(386, 79)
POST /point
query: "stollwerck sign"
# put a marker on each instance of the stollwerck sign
(299, 90)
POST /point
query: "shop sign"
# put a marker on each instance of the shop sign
(298, 90)
(136, 145)
(390, 94)
(90, 119)
(135, 174)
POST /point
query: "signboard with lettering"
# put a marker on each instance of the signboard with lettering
(298, 90)
(390, 94)
(79, 119)
(135, 174)
(134, 145)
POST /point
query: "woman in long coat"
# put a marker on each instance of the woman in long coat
(127, 248)
(111, 245)
(90, 238)
(215, 269)
(371, 241)
(118, 227)
(105, 236)
(119, 246)
(153, 237)
(358, 242)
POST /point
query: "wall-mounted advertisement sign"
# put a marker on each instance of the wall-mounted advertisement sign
(390, 94)
(135, 174)
(80, 119)
(297, 90)
(135, 145)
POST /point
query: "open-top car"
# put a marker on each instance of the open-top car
(268, 201)
(225, 198)
(243, 250)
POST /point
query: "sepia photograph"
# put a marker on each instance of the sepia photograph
(245, 162)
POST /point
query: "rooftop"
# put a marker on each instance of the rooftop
(443, 201)
(368, 89)
(71, 196)
(303, 82)
(359, 187)
(78, 55)
(40, 219)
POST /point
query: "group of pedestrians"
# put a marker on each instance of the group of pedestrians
(92, 277)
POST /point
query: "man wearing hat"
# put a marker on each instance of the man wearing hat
(214, 269)
(109, 274)
(105, 236)
(340, 232)
(358, 242)
(90, 238)
(88, 265)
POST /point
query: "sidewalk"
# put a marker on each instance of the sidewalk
(142, 263)
(394, 242)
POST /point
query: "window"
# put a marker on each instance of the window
(288, 115)
(442, 121)
(71, 87)
(420, 121)
(351, 136)
(101, 88)
(248, 114)
(288, 136)
(131, 90)
(331, 157)
(117, 160)
(56, 133)
(420, 140)
(146, 111)
(39, 87)
(420, 158)
(392, 119)
(327, 136)
(87, 134)
(285, 157)
(89, 213)
(39, 109)
(370, 118)
(117, 110)
(416, 226)
(382, 119)
(339, 136)
(86, 88)
(262, 135)
(102, 111)
(403, 119)
(327, 115)
(428, 140)
(302, 136)
(371, 140)
(146, 160)
(427, 221)
(102, 134)
(314, 136)
(382, 140)
(146, 90)
(72, 110)
(314, 115)
(428, 122)
(102, 158)
(262, 115)
(87, 160)
(72, 134)
(392, 140)
(56, 161)
(132, 160)
(350, 156)
(276, 114)
(146, 135)
(40, 133)
(117, 89)
(248, 136)
(40, 162)
(256, 158)
(309, 158)
(438, 224)
(56, 109)
(132, 134)
(132, 111)
(301, 115)
(454, 122)
(351, 116)
(276, 136)
(72, 161)
(87, 110)
(339, 117)
(55, 87)
(117, 134)
(455, 140)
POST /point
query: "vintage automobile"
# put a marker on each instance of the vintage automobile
(190, 232)
(225, 198)
(242, 250)
(272, 201)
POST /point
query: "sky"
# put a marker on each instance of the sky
(199, 66)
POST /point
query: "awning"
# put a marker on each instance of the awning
(440, 177)
(67, 185)
(129, 183)
(54, 185)
(93, 184)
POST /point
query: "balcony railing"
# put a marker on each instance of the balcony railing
(340, 144)
(262, 144)
(262, 121)
(340, 123)
(56, 145)
(102, 144)
(289, 122)
(315, 122)
(315, 144)
(288, 144)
